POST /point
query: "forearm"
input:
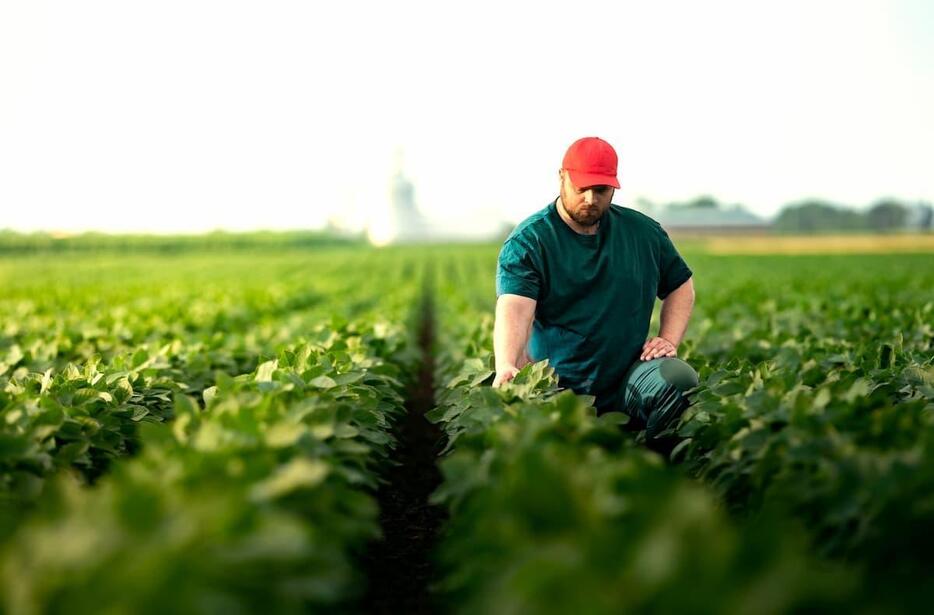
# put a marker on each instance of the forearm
(676, 311)
(511, 333)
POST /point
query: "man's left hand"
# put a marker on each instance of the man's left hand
(657, 347)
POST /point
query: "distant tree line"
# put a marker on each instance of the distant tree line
(885, 215)
(12, 242)
(813, 215)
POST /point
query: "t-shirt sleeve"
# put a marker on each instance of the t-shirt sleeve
(673, 270)
(517, 271)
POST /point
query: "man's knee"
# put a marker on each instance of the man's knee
(678, 374)
(670, 401)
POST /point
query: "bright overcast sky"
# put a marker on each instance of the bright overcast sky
(200, 114)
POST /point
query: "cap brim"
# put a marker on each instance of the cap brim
(586, 180)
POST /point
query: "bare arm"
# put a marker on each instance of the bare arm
(514, 316)
(676, 311)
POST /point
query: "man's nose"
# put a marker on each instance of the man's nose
(588, 197)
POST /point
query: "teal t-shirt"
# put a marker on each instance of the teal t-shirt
(594, 293)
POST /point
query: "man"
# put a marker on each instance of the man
(576, 283)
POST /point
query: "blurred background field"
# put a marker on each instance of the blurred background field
(713, 241)
(851, 243)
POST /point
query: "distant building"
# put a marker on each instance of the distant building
(409, 223)
(705, 217)
(920, 217)
(403, 223)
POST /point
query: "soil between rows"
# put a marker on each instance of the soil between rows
(400, 568)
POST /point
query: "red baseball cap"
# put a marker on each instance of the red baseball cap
(591, 161)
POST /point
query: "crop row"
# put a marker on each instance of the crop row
(61, 410)
(822, 409)
(816, 398)
(554, 509)
(257, 496)
(255, 428)
(54, 313)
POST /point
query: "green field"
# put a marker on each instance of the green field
(247, 428)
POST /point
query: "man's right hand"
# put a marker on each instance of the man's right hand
(505, 374)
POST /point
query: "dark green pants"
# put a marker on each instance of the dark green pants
(652, 393)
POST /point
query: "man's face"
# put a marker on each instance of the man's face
(584, 204)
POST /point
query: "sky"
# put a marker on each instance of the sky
(185, 116)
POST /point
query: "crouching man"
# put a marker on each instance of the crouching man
(576, 283)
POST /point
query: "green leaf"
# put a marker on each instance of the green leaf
(300, 473)
(614, 418)
(348, 378)
(323, 382)
(208, 395)
(265, 370)
(346, 431)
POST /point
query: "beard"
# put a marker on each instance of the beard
(584, 216)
